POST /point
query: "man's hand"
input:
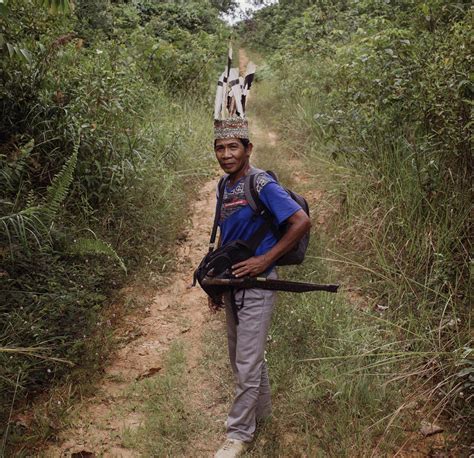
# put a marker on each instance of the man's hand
(213, 307)
(251, 266)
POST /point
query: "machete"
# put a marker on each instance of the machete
(265, 283)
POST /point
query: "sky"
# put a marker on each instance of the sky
(244, 7)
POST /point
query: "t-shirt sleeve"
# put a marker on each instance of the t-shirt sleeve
(278, 201)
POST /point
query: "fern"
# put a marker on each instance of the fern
(85, 246)
(33, 221)
(59, 188)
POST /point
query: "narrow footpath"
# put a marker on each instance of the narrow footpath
(178, 314)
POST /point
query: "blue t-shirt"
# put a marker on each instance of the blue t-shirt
(238, 220)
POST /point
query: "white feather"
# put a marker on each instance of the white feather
(237, 92)
(225, 88)
(251, 68)
(249, 72)
(218, 101)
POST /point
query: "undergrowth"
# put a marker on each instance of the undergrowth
(376, 99)
(104, 138)
(169, 420)
(407, 341)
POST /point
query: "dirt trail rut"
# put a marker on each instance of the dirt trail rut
(176, 312)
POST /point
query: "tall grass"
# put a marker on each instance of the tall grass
(377, 106)
(354, 379)
(408, 251)
(139, 127)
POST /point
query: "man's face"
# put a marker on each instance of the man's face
(231, 154)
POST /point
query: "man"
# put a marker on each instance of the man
(246, 340)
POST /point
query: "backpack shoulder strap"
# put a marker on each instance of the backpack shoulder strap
(273, 175)
(217, 215)
(251, 194)
(253, 198)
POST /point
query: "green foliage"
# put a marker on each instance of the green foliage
(380, 93)
(84, 246)
(57, 191)
(100, 131)
(169, 419)
(347, 377)
(33, 222)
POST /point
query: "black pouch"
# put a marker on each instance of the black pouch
(218, 263)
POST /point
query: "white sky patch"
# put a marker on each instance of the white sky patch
(244, 10)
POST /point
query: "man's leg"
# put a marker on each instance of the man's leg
(264, 403)
(247, 360)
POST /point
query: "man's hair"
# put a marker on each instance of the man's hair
(244, 141)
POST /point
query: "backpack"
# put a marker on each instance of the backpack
(297, 253)
(218, 263)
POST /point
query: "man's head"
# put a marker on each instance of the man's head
(233, 154)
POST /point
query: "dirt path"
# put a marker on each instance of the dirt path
(176, 312)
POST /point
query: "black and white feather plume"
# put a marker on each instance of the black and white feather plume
(219, 97)
(248, 80)
(232, 90)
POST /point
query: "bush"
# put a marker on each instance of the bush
(102, 122)
(382, 90)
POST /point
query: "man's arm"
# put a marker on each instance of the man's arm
(298, 224)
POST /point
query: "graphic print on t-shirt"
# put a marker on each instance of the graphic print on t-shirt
(234, 199)
(239, 222)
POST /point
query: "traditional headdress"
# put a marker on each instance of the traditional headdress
(231, 96)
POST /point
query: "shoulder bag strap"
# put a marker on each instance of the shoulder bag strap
(217, 215)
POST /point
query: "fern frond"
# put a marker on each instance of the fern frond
(32, 222)
(59, 188)
(85, 246)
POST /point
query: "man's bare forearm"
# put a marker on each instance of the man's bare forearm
(299, 224)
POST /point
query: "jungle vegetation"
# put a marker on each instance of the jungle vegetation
(375, 97)
(103, 126)
(104, 108)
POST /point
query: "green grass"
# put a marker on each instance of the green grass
(327, 379)
(70, 307)
(340, 373)
(169, 420)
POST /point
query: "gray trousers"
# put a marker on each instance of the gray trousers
(246, 342)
